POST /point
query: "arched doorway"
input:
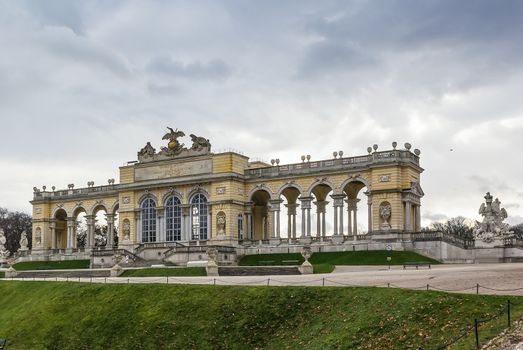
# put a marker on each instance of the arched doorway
(260, 214)
(320, 216)
(80, 228)
(100, 232)
(358, 208)
(59, 230)
(289, 197)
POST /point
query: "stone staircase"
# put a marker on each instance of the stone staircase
(257, 270)
(64, 273)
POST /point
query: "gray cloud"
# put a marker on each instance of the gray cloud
(83, 86)
(212, 70)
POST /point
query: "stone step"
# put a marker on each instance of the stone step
(257, 270)
(63, 273)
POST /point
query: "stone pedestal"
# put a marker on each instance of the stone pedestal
(212, 268)
(11, 273)
(116, 270)
(305, 240)
(337, 239)
(496, 242)
(306, 268)
(274, 241)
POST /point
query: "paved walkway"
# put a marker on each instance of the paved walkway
(505, 279)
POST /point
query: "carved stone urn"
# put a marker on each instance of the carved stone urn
(306, 268)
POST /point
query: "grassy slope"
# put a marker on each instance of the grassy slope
(163, 272)
(325, 262)
(50, 265)
(48, 315)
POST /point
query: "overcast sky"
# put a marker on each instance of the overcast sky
(85, 84)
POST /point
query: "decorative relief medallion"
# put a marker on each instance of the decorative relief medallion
(126, 200)
(385, 178)
(38, 211)
(220, 190)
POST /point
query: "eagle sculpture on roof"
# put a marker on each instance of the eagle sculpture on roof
(172, 135)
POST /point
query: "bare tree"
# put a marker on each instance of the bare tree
(455, 226)
(518, 230)
(13, 224)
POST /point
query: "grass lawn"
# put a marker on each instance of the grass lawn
(164, 272)
(52, 265)
(50, 315)
(325, 262)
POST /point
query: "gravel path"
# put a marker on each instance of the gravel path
(504, 279)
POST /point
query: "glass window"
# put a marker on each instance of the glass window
(148, 218)
(173, 219)
(240, 226)
(199, 220)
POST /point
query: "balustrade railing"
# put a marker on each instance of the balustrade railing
(326, 164)
(74, 192)
(462, 242)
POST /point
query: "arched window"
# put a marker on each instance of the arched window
(148, 216)
(199, 220)
(173, 219)
(240, 226)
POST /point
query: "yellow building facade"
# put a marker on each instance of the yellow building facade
(192, 196)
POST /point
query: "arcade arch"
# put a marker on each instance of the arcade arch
(357, 197)
(260, 200)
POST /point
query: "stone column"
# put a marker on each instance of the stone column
(294, 225)
(341, 218)
(160, 224)
(321, 206)
(110, 231)
(418, 218)
(349, 218)
(289, 223)
(308, 222)
(306, 216)
(90, 231)
(138, 226)
(275, 209)
(70, 233)
(291, 213)
(209, 223)
(318, 219)
(303, 222)
(355, 223)
(52, 228)
(338, 202)
(408, 210)
(352, 208)
(185, 233)
(369, 211)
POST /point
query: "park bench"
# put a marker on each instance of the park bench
(266, 262)
(2, 343)
(290, 262)
(416, 263)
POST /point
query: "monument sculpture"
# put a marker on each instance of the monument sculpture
(385, 212)
(4, 253)
(221, 223)
(100, 240)
(23, 241)
(200, 146)
(212, 266)
(491, 231)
